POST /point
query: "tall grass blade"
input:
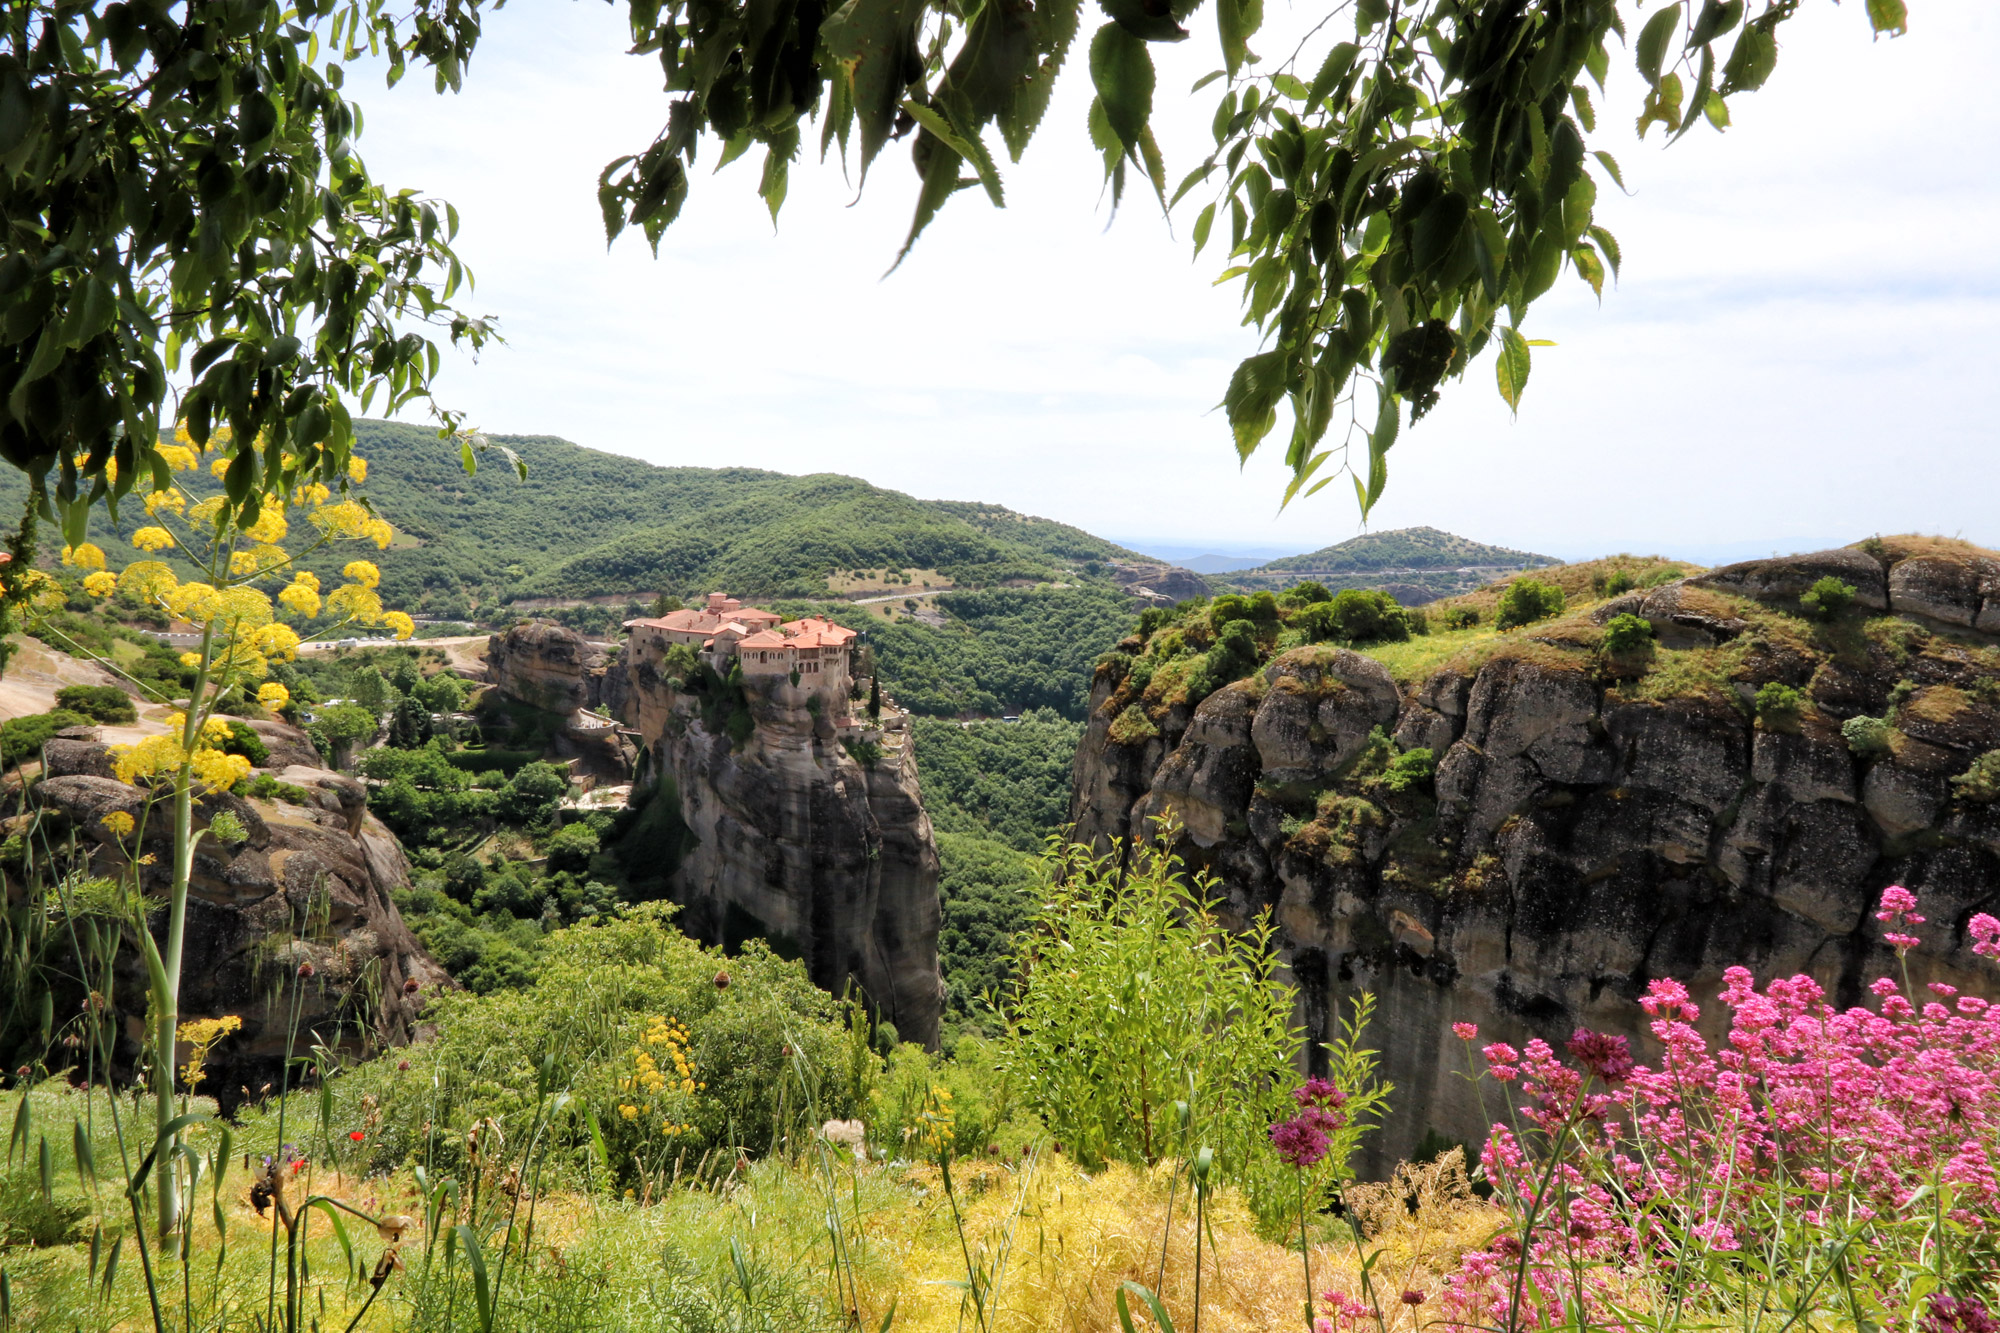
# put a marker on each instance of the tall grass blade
(24, 1125)
(1166, 1323)
(86, 1160)
(482, 1291)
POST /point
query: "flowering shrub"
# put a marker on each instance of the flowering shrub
(1819, 1163)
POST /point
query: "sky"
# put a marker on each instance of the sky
(1796, 355)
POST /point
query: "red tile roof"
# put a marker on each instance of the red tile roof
(813, 632)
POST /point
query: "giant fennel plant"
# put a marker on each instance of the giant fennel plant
(239, 558)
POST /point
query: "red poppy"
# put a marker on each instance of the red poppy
(356, 1135)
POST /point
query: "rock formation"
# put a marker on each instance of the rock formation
(824, 851)
(308, 882)
(1593, 824)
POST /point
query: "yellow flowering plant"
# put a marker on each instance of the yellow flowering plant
(238, 563)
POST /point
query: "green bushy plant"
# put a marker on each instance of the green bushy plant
(572, 846)
(1827, 598)
(100, 703)
(1627, 634)
(1128, 997)
(1355, 615)
(1527, 600)
(1460, 617)
(1980, 782)
(1780, 707)
(1412, 770)
(21, 738)
(1867, 735)
(1132, 727)
(33, 1216)
(1617, 583)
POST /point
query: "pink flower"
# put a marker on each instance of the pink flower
(1465, 1031)
(1606, 1056)
(1299, 1142)
(1985, 932)
(1899, 941)
(1899, 903)
(1318, 1092)
(1950, 1314)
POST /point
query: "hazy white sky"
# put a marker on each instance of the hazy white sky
(1793, 357)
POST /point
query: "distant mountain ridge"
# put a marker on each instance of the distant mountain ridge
(1414, 565)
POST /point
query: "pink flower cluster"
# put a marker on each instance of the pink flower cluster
(1845, 1114)
(1305, 1139)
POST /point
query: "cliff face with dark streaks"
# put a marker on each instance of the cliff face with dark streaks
(792, 837)
(1593, 822)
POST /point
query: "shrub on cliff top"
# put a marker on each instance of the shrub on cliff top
(1827, 598)
(1526, 601)
(1132, 727)
(1627, 634)
(101, 703)
(1355, 615)
(1780, 707)
(21, 738)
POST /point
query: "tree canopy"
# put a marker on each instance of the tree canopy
(182, 193)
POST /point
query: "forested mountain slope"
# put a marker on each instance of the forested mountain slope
(1414, 564)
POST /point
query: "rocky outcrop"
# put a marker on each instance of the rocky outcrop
(1587, 829)
(303, 883)
(801, 829)
(546, 666)
(1158, 585)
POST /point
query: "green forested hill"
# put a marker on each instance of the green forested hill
(1399, 550)
(1415, 565)
(590, 524)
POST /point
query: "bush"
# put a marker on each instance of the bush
(1827, 598)
(242, 740)
(21, 738)
(1780, 707)
(1412, 770)
(1617, 583)
(1627, 634)
(1460, 617)
(1103, 1042)
(1867, 735)
(1132, 727)
(1355, 615)
(1526, 601)
(1981, 782)
(572, 847)
(100, 703)
(264, 787)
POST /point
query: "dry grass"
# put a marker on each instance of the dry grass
(1579, 582)
(1907, 545)
(863, 582)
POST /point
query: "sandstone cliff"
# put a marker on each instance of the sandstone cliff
(309, 882)
(1593, 822)
(825, 853)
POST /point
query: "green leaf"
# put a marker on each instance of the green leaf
(1652, 47)
(1610, 165)
(1122, 71)
(1251, 401)
(1716, 18)
(1717, 111)
(1332, 70)
(1152, 1302)
(1890, 16)
(1590, 267)
(1609, 245)
(971, 150)
(1203, 221)
(1750, 61)
(1388, 421)
(1513, 367)
(1236, 22)
(873, 42)
(482, 1290)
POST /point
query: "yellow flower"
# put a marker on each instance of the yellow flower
(179, 457)
(100, 584)
(276, 640)
(306, 578)
(313, 493)
(399, 622)
(216, 729)
(220, 771)
(220, 466)
(148, 578)
(362, 573)
(273, 695)
(355, 602)
(151, 757)
(84, 555)
(171, 501)
(629, 1112)
(119, 823)
(257, 560)
(153, 539)
(191, 659)
(206, 511)
(351, 520)
(44, 591)
(357, 469)
(301, 598)
(270, 525)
